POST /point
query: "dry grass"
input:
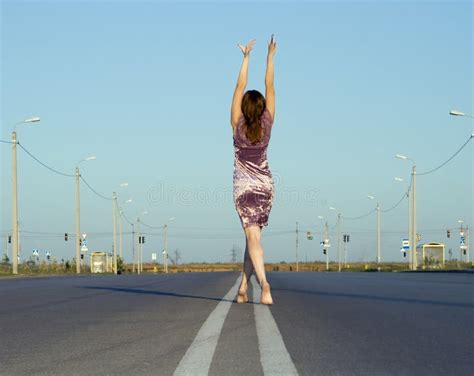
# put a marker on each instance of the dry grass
(55, 268)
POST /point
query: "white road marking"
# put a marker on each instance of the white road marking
(274, 356)
(198, 357)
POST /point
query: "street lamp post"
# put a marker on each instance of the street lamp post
(78, 212)
(121, 227)
(166, 245)
(409, 217)
(15, 231)
(413, 240)
(378, 254)
(138, 247)
(114, 220)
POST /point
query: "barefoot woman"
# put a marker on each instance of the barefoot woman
(252, 117)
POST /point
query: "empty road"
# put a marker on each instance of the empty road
(187, 324)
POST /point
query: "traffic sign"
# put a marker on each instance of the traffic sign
(405, 243)
(463, 247)
(35, 252)
(153, 256)
(84, 248)
(84, 235)
(48, 253)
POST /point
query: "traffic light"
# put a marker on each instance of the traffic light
(464, 252)
(324, 252)
(448, 233)
(80, 242)
(9, 239)
(82, 256)
(65, 236)
(309, 236)
(404, 254)
(141, 240)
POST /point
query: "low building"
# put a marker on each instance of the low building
(431, 255)
(101, 262)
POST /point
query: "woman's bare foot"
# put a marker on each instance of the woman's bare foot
(266, 295)
(242, 295)
(242, 298)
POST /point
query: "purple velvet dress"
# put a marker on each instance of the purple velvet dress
(253, 182)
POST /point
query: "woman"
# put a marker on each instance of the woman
(252, 117)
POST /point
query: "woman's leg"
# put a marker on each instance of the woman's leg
(253, 235)
(246, 274)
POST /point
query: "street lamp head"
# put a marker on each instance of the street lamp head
(400, 156)
(332, 208)
(32, 120)
(90, 158)
(399, 179)
(128, 201)
(320, 217)
(460, 221)
(370, 196)
(125, 184)
(456, 113)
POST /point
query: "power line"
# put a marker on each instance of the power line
(361, 216)
(394, 206)
(94, 191)
(152, 227)
(43, 164)
(447, 161)
(7, 142)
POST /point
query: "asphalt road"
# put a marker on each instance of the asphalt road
(186, 324)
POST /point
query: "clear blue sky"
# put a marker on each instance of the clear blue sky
(146, 87)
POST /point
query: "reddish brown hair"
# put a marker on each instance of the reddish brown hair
(253, 106)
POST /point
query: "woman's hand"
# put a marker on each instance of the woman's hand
(272, 46)
(246, 49)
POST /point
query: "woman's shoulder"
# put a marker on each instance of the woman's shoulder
(267, 117)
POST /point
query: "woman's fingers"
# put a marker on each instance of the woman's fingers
(246, 49)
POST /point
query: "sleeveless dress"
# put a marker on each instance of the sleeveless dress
(253, 182)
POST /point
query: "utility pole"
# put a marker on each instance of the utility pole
(378, 235)
(177, 256)
(114, 219)
(234, 254)
(133, 248)
(468, 250)
(138, 246)
(78, 221)
(297, 266)
(346, 240)
(166, 248)
(15, 236)
(121, 233)
(413, 213)
(339, 240)
(326, 242)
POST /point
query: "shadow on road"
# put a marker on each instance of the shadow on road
(381, 298)
(159, 293)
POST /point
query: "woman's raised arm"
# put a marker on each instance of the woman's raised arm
(236, 110)
(269, 75)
